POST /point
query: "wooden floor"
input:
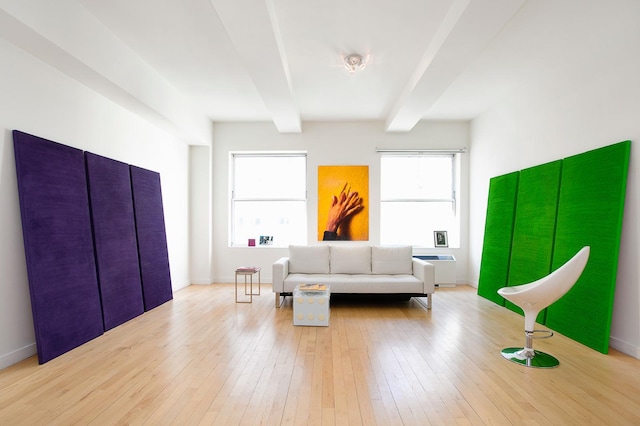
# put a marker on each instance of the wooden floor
(203, 359)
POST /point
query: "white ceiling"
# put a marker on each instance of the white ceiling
(281, 60)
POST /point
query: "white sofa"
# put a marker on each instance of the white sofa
(355, 269)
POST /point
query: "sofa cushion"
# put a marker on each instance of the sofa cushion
(309, 259)
(391, 260)
(350, 259)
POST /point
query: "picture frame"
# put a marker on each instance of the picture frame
(266, 240)
(342, 182)
(440, 239)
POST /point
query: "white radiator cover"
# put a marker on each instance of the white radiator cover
(445, 265)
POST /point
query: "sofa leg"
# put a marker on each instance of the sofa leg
(277, 300)
(420, 301)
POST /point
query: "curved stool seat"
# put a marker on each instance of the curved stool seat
(533, 298)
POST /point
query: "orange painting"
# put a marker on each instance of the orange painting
(343, 203)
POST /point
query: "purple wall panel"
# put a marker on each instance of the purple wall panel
(58, 244)
(152, 239)
(115, 242)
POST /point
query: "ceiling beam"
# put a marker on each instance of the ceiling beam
(140, 89)
(262, 54)
(436, 71)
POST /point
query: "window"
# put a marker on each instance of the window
(268, 198)
(418, 197)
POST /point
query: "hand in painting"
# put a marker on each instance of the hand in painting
(345, 205)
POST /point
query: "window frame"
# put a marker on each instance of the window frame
(233, 155)
(454, 190)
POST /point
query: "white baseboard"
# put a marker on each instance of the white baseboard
(624, 347)
(201, 282)
(231, 280)
(179, 286)
(18, 355)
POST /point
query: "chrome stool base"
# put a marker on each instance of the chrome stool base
(528, 356)
(524, 356)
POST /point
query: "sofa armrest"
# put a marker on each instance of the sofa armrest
(425, 272)
(280, 272)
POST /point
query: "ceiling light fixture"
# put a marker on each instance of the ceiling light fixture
(354, 63)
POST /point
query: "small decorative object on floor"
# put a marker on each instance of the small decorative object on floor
(311, 305)
(247, 271)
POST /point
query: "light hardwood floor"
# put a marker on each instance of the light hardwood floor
(203, 359)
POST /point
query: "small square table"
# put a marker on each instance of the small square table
(311, 305)
(248, 271)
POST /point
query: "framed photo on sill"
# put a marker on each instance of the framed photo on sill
(266, 240)
(440, 239)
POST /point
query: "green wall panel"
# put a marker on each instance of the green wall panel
(496, 249)
(590, 211)
(534, 226)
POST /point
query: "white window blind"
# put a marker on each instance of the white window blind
(268, 198)
(418, 197)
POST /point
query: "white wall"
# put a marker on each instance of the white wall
(200, 220)
(574, 114)
(37, 99)
(335, 143)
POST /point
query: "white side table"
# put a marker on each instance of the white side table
(311, 305)
(248, 271)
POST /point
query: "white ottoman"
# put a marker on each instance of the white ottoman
(311, 305)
